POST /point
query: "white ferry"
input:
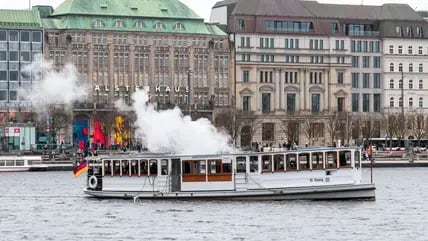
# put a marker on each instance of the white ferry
(310, 173)
(18, 163)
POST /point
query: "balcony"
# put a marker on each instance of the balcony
(363, 33)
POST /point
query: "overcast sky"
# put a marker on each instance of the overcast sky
(203, 7)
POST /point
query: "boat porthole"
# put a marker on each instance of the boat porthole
(93, 182)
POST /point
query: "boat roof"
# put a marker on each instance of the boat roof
(151, 155)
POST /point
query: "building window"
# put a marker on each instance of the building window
(410, 68)
(391, 102)
(13, 75)
(376, 80)
(334, 27)
(316, 104)
(119, 24)
(400, 67)
(245, 103)
(3, 75)
(376, 102)
(13, 36)
(420, 50)
(421, 102)
(376, 62)
(267, 43)
(3, 56)
(421, 84)
(400, 102)
(3, 95)
(140, 24)
(268, 132)
(240, 24)
(366, 102)
(265, 102)
(97, 24)
(266, 76)
(25, 56)
(366, 61)
(13, 95)
(400, 49)
(410, 102)
(355, 80)
(3, 35)
(37, 37)
(410, 84)
(245, 76)
(355, 61)
(179, 26)
(340, 78)
(25, 36)
(291, 102)
(245, 42)
(159, 25)
(391, 67)
(391, 49)
(421, 68)
(391, 84)
(400, 84)
(340, 104)
(366, 80)
(13, 56)
(355, 102)
(246, 58)
(410, 50)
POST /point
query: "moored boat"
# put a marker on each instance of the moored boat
(310, 173)
(18, 163)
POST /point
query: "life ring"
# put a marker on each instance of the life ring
(93, 182)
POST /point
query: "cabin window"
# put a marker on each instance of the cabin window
(254, 164)
(357, 158)
(331, 160)
(241, 164)
(144, 168)
(116, 168)
(194, 171)
(125, 167)
(317, 161)
(10, 163)
(304, 161)
(278, 163)
(134, 168)
(164, 167)
(290, 161)
(20, 162)
(107, 168)
(153, 167)
(345, 159)
(267, 163)
(2, 163)
(219, 170)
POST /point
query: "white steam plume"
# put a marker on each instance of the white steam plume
(52, 87)
(170, 131)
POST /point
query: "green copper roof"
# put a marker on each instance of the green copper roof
(24, 19)
(147, 8)
(130, 24)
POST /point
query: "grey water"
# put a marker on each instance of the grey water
(52, 206)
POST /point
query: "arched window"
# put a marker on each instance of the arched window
(179, 26)
(421, 68)
(410, 84)
(421, 102)
(400, 102)
(400, 84)
(421, 84)
(140, 24)
(119, 24)
(98, 23)
(159, 25)
(410, 102)
(410, 67)
(400, 67)
(391, 102)
(391, 67)
(391, 84)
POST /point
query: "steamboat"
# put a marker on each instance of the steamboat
(322, 173)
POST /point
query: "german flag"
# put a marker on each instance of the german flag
(80, 169)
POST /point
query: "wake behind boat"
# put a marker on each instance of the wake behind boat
(310, 173)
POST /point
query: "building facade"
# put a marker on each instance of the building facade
(316, 73)
(119, 47)
(21, 43)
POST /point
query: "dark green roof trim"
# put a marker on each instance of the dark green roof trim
(20, 19)
(132, 8)
(191, 26)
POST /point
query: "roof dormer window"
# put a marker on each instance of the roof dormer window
(398, 31)
(98, 23)
(119, 24)
(140, 24)
(409, 31)
(159, 25)
(419, 31)
(179, 26)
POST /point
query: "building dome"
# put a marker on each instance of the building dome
(127, 8)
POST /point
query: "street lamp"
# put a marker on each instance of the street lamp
(189, 74)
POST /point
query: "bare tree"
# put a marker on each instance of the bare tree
(308, 130)
(60, 120)
(225, 121)
(247, 124)
(417, 124)
(334, 125)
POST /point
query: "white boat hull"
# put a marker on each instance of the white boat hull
(14, 169)
(328, 192)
